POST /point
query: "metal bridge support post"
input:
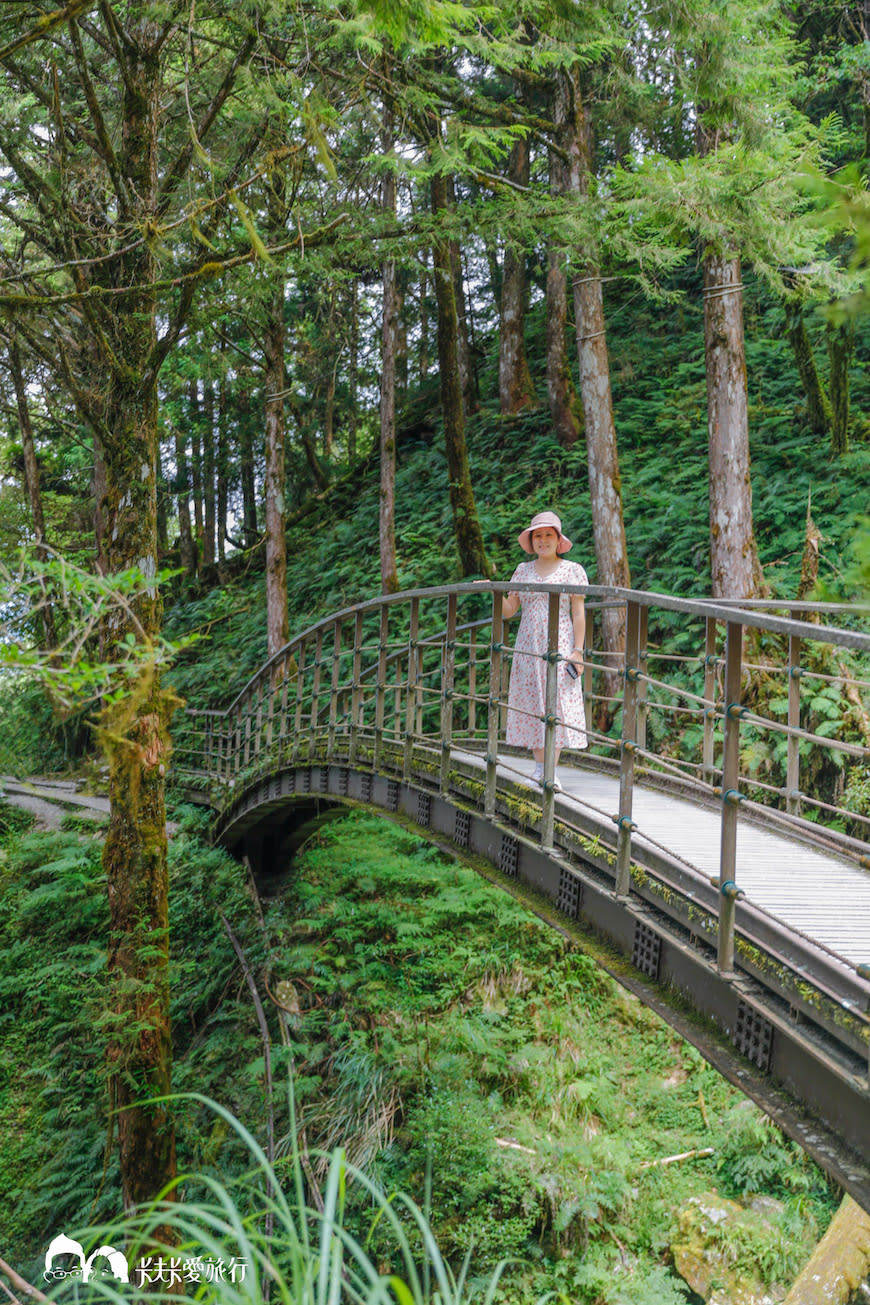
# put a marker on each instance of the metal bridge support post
(448, 675)
(624, 822)
(356, 689)
(708, 754)
(792, 775)
(381, 687)
(730, 798)
(494, 707)
(411, 688)
(550, 722)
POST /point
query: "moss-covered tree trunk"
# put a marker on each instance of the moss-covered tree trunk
(134, 732)
(277, 620)
(818, 405)
(389, 347)
(841, 342)
(466, 526)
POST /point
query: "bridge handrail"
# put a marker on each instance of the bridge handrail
(720, 609)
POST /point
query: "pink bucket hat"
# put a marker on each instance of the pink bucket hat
(538, 523)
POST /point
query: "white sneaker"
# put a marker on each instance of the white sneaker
(538, 774)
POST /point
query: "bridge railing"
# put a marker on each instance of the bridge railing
(407, 683)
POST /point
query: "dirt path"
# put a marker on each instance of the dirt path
(50, 800)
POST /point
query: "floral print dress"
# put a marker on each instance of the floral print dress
(527, 692)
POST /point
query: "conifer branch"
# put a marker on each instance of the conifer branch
(46, 24)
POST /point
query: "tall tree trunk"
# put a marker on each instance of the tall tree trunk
(31, 482)
(134, 730)
(209, 513)
(389, 344)
(515, 389)
(186, 546)
(223, 474)
(818, 407)
(423, 356)
(463, 342)
(196, 462)
(277, 620)
(841, 341)
(246, 475)
(353, 375)
(561, 395)
(735, 567)
(99, 487)
(466, 526)
(605, 487)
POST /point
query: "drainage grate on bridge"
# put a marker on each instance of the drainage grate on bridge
(366, 788)
(570, 893)
(323, 779)
(392, 795)
(508, 856)
(462, 828)
(646, 952)
(753, 1035)
(343, 781)
(303, 781)
(424, 809)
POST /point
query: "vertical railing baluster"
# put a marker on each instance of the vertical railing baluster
(411, 690)
(300, 695)
(315, 693)
(548, 801)
(286, 663)
(248, 728)
(333, 695)
(588, 667)
(493, 719)
(356, 688)
(708, 754)
(642, 683)
(625, 824)
(792, 777)
(448, 679)
(381, 686)
(730, 797)
(472, 683)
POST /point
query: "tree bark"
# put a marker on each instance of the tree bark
(561, 395)
(734, 564)
(466, 526)
(353, 375)
(819, 413)
(186, 546)
(246, 475)
(605, 486)
(209, 512)
(389, 331)
(223, 475)
(134, 731)
(196, 463)
(31, 482)
(515, 389)
(277, 620)
(841, 341)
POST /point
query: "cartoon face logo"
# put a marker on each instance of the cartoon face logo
(63, 1245)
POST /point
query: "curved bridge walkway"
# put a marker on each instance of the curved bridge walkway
(687, 844)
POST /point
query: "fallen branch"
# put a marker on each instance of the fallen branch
(673, 1159)
(514, 1146)
(20, 1284)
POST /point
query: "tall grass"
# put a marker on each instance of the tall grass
(278, 1239)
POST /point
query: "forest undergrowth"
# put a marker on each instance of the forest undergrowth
(460, 1050)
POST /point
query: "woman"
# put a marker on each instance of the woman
(543, 538)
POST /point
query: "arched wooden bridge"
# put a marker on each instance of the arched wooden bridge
(737, 905)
